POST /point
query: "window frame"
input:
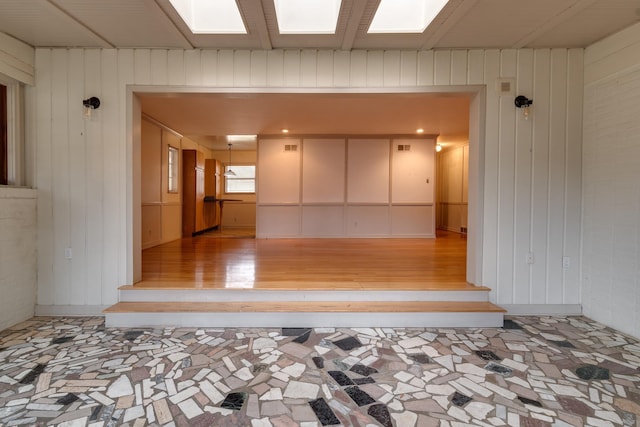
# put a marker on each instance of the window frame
(226, 167)
(173, 169)
(15, 151)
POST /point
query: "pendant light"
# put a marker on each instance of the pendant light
(229, 172)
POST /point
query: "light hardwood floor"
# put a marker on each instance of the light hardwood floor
(235, 260)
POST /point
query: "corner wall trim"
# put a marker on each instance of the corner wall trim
(70, 310)
(542, 309)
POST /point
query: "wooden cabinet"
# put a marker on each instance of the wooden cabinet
(193, 220)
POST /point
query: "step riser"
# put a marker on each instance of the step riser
(169, 295)
(301, 319)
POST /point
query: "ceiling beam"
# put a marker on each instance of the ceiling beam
(164, 14)
(356, 14)
(254, 10)
(447, 22)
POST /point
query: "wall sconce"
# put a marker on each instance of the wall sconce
(523, 102)
(90, 104)
(438, 148)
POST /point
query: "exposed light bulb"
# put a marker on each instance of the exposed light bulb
(438, 148)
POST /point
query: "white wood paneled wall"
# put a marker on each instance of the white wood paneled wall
(531, 199)
(611, 161)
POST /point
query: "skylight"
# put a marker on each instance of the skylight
(210, 16)
(307, 16)
(405, 16)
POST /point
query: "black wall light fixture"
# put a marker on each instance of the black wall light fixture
(90, 104)
(523, 102)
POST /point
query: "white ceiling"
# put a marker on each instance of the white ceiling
(461, 24)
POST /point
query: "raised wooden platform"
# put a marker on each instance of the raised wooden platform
(213, 281)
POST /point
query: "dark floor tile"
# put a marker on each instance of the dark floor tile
(260, 367)
(67, 399)
(294, 332)
(460, 399)
(62, 340)
(341, 378)
(324, 412)
(365, 380)
(348, 344)
(186, 362)
(303, 338)
(132, 335)
(510, 324)
(234, 401)
(564, 344)
(420, 358)
(319, 362)
(592, 372)
(488, 355)
(360, 397)
(365, 371)
(528, 401)
(33, 374)
(95, 412)
(380, 413)
(498, 369)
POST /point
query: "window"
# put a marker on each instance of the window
(244, 180)
(173, 170)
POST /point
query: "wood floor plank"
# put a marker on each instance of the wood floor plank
(214, 261)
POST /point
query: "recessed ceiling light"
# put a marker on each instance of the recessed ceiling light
(420, 130)
(307, 16)
(210, 16)
(285, 130)
(405, 16)
(242, 138)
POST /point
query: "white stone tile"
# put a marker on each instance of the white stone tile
(133, 413)
(190, 409)
(405, 419)
(120, 387)
(301, 390)
(272, 394)
(244, 374)
(263, 422)
(294, 370)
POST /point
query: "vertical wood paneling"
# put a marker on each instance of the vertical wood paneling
(291, 68)
(193, 68)
(46, 285)
(408, 68)
(341, 68)
(275, 68)
(159, 67)
(557, 149)
(225, 68)
(325, 68)
(113, 176)
(491, 143)
(60, 175)
(78, 180)
(259, 68)
(475, 67)
(95, 147)
(309, 68)
(442, 67)
(358, 68)
(506, 184)
(142, 67)
(425, 68)
(459, 67)
(241, 68)
(375, 68)
(523, 160)
(391, 70)
(540, 185)
(209, 62)
(573, 175)
(175, 67)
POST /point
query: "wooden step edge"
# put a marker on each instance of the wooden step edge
(311, 287)
(307, 307)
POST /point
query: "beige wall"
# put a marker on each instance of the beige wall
(161, 211)
(452, 188)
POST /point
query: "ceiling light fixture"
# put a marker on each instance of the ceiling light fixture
(285, 130)
(229, 172)
(406, 16)
(420, 130)
(438, 148)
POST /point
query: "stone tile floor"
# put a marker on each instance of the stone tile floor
(536, 371)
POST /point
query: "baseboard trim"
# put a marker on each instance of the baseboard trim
(70, 310)
(543, 309)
